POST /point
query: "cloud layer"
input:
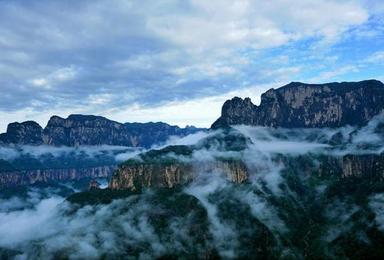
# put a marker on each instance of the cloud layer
(211, 216)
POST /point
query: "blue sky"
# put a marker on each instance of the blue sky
(176, 61)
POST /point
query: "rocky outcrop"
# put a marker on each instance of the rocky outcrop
(359, 166)
(91, 130)
(134, 177)
(28, 132)
(95, 130)
(370, 165)
(84, 130)
(28, 177)
(168, 175)
(308, 105)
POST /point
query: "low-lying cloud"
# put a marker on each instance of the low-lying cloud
(210, 215)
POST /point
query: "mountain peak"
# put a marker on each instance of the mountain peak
(28, 132)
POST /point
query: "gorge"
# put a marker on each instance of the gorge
(300, 176)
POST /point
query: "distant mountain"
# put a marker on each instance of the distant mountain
(308, 105)
(28, 132)
(91, 130)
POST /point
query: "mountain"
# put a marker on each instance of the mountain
(306, 186)
(73, 148)
(13, 178)
(255, 192)
(334, 155)
(28, 132)
(308, 105)
(91, 130)
(30, 165)
(176, 165)
(296, 105)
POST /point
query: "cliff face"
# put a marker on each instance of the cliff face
(363, 166)
(84, 130)
(308, 105)
(28, 132)
(168, 175)
(27, 177)
(91, 130)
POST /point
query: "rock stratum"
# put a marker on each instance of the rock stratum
(242, 154)
(136, 176)
(308, 105)
(47, 176)
(54, 165)
(79, 130)
(178, 165)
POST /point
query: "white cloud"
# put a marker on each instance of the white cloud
(99, 99)
(104, 58)
(40, 82)
(331, 74)
(58, 76)
(377, 57)
(202, 112)
(257, 24)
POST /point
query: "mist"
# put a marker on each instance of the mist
(265, 213)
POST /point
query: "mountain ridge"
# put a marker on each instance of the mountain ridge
(302, 105)
(78, 129)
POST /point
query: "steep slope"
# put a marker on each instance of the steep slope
(308, 105)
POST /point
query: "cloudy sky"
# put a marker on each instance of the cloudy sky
(176, 61)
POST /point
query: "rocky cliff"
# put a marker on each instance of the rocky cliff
(179, 164)
(363, 166)
(240, 158)
(308, 105)
(91, 130)
(28, 177)
(357, 166)
(168, 175)
(134, 176)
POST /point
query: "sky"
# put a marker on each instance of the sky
(176, 61)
